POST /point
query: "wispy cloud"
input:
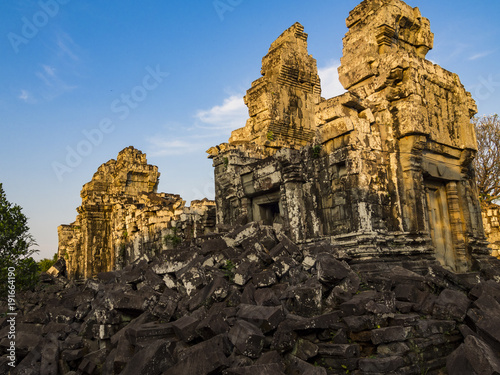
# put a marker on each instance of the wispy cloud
(165, 147)
(458, 49)
(26, 96)
(67, 46)
(54, 84)
(330, 84)
(481, 55)
(231, 114)
(49, 70)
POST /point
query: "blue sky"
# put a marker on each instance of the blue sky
(168, 78)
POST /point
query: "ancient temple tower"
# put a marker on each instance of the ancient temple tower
(122, 218)
(384, 170)
(282, 103)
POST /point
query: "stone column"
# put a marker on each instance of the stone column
(457, 226)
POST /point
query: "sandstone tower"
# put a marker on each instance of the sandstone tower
(122, 218)
(386, 170)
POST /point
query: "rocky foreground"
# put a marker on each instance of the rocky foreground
(252, 302)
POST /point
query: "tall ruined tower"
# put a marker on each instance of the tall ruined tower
(385, 169)
(122, 218)
(421, 114)
(281, 103)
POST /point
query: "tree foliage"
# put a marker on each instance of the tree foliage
(487, 162)
(46, 263)
(16, 245)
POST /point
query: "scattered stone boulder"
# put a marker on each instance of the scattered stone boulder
(130, 321)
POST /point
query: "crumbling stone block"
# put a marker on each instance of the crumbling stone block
(297, 366)
(247, 338)
(382, 365)
(339, 350)
(153, 359)
(149, 332)
(270, 369)
(433, 326)
(451, 305)
(305, 349)
(217, 290)
(213, 325)
(330, 270)
(264, 279)
(390, 334)
(304, 300)
(207, 357)
(185, 328)
(473, 357)
(357, 305)
(266, 297)
(267, 318)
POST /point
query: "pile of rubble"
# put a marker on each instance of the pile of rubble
(253, 302)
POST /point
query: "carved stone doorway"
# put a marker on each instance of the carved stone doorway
(439, 223)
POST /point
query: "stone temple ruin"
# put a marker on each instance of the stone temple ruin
(122, 218)
(382, 171)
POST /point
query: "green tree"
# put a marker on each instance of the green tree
(46, 263)
(16, 246)
(487, 161)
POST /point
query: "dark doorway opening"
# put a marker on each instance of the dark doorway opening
(270, 213)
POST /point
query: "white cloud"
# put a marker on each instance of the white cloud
(330, 84)
(49, 70)
(67, 46)
(24, 95)
(480, 55)
(232, 114)
(54, 85)
(165, 147)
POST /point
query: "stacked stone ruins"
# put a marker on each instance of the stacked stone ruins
(382, 170)
(346, 235)
(122, 218)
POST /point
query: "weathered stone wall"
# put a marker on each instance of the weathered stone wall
(491, 222)
(389, 169)
(122, 218)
